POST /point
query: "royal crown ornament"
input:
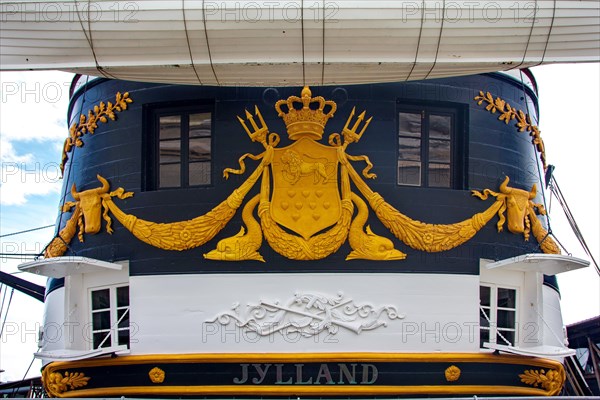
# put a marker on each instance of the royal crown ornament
(308, 121)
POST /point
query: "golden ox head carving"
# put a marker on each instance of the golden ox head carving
(91, 205)
(517, 205)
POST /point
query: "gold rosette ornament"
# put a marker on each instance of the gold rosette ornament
(452, 373)
(156, 375)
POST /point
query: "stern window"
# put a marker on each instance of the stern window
(181, 153)
(427, 147)
(110, 317)
(497, 315)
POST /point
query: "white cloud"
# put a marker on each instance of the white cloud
(33, 105)
(9, 155)
(33, 108)
(19, 180)
(22, 175)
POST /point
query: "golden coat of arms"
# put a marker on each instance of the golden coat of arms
(311, 194)
(306, 197)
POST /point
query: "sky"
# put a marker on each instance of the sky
(33, 127)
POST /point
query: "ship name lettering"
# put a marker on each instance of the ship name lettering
(296, 374)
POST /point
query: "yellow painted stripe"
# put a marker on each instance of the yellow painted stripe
(307, 390)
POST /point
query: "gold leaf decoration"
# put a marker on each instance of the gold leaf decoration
(57, 384)
(552, 381)
(507, 114)
(89, 123)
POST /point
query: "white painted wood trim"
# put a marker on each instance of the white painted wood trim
(59, 267)
(548, 264)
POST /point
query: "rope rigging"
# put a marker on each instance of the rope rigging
(551, 183)
(555, 189)
(27, 231)
(12, 292)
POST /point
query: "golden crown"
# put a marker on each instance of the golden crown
(308, 121)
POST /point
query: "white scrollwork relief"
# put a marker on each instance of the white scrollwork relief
(308, 314)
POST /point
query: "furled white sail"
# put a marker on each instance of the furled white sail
(294, 42)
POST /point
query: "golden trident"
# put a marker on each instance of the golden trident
(350, 135)
(260, 133)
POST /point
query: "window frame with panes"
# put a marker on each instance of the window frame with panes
(110, 316)
(416, 153)
(176, 146)
(500, 329)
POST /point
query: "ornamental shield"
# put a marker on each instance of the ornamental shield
(306, 197)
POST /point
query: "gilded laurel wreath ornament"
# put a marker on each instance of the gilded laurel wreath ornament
(551, 380)
(306, 208)
(88, 124)
(508, 113)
